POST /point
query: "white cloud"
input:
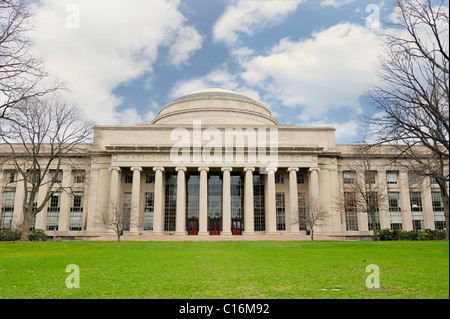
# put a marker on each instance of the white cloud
(116, 43)
(335, 3)
(249, 17)
(331, 70)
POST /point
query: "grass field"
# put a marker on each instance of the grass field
(224, 270)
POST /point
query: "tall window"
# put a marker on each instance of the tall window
(279, 179)
(192, 195)
(170, 202)
(7, 210)
(126, 211)
(128, 178)
(413, 178)
(78, 177)
(53, 211)
(56, 176)
(349, 177)
(150, 178)
(301, 211)
(281, 212)
(351, 216)
(215, 189)
(416, 210)
(391, 177)
(259, 204)
(237, 196)
(300, 178)
(395, 211)
(374, 217)
(76, 212)
(438, 210)
(149, 211)
(370, 177)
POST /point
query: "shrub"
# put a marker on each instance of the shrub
(397, 234)
(9, 235)
(37, 235)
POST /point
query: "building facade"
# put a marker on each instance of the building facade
(216, 163)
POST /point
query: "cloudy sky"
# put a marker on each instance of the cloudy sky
(310, 61)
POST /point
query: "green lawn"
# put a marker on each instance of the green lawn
(224, 270)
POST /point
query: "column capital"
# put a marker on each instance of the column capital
(271, 170)
(203, 168)
(290, 169)
(136, 168)
(312, 169)
(158, 168)
(249, 169)
(181, 168)
(114, 168)
(223, 169)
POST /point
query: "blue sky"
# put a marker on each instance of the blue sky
(311, 62)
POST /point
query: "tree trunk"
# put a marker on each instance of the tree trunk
(312, 235)
(25, 228)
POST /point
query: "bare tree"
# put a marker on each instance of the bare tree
(363, 192)
(310, 214)
(21, 73)
(413, 102)
(44, 136)
(116, 217)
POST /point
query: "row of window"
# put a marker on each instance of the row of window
(150, 178)
(55, 176)
(53, 210)
(351, 208)
(391, 177)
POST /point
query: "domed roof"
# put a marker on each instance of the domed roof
(215, 105)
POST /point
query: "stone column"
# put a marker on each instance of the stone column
(158, 215)
(405, 200)
(135, 200)
(383, 205)
(203, 199)
(271, 214)
(314, 183)
(18, 201)
(226, 201)
(292, 217)
(181, 201)
(41, 217)
(249, 220)
(114, 200)
(427, 204)
(66, 194)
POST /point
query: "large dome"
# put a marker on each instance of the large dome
(215, 106)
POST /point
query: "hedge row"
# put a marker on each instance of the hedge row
(398, 234)
(34, 235)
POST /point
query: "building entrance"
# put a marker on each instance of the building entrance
(193, 226)
(214, 226)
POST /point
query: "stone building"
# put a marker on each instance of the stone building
(216, 163)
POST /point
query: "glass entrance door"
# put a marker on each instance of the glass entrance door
(193, 226)
(214, 226)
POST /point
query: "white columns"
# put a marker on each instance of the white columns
(203, 210)
(18, 201)
(226, 200)
(66, 194)
(158, 219)
(293, 201)
(314, 187)
(114, 201)
(249, 221)
(271, 214)
(405, 201)
(181, 201)
(135, 200)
